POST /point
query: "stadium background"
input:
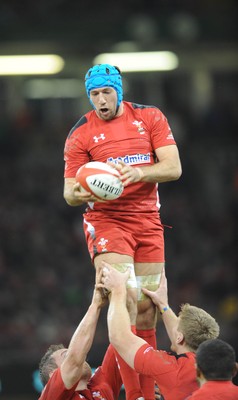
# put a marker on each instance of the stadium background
(46, 276)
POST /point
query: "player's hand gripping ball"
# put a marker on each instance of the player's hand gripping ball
(100, 179)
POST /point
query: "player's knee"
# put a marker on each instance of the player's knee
(146, 315)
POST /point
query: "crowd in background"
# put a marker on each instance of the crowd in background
(46, 276)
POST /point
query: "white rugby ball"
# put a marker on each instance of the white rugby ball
(100, 179)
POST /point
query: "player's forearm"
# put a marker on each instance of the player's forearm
(72, 201)
(118, 318)
(120, 334)
(69, 194)
(170, 321)
(163, 171)
(82, 339)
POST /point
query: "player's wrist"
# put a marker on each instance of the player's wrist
(140, 173)
(164, 309)
(118, 290)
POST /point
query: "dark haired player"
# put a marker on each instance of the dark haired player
(65, 373)
(216, 367)
(126, 232)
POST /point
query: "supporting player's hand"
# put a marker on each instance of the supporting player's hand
(111, 278)
(128, 174)
(160, 296)
(83, 196)
(99, 296)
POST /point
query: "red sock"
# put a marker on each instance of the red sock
(148, 384)
(129, 376)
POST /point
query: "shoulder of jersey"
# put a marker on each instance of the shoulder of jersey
(141, 106)
(81, 122)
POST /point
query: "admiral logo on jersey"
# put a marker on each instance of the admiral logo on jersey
(132, 159)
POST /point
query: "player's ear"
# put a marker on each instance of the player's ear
(51, 373)
(180, 338)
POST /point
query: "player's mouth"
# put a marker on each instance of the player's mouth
(104, 110)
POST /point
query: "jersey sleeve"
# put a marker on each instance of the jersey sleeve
(153, 362)
(161, 134)
(75, 154)
(55, 388)
(109, 373)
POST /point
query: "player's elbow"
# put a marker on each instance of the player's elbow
(114, 338)
(120, 341)
(68, 199)
(177, 172)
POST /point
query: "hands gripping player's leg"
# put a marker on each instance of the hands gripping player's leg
(146, 247)
(129, 376)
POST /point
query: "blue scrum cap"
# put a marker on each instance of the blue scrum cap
(104, 75)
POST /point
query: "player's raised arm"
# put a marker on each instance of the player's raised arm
(160, 299)
(73, 366)
(120, 335)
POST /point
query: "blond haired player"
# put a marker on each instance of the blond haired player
(174, 372)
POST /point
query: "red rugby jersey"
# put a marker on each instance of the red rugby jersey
(133, 138)
(216, 390)
(105, 384)
(174, 374)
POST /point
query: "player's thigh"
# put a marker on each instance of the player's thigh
(121, 262)
(112, 258)
(148, 268)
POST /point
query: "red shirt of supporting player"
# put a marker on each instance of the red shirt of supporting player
(105, 384)
(174, 374)
(216, 390)
(133, 138)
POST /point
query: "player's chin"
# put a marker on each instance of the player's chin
(107, 118)
(107, 115)
(172, 348)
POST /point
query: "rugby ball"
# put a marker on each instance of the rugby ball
(100, 179)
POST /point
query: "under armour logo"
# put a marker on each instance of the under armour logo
(97, 138)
